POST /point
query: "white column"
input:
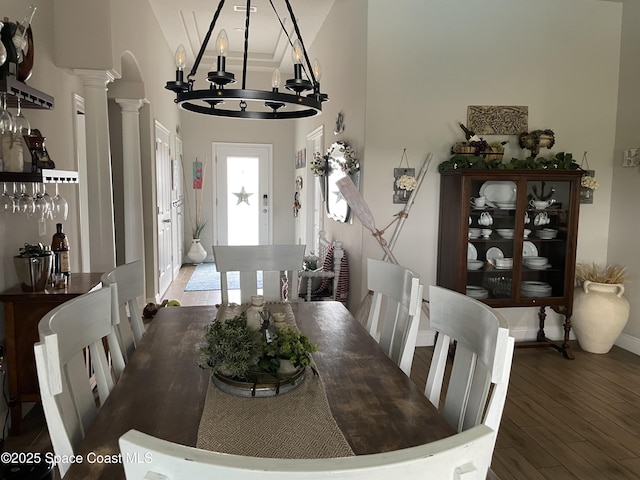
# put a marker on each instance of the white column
(132, 179)
(101, 220)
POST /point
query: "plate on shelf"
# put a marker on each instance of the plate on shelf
(539, 267)
(495, 191)
(472, 253)
(502, 268)
(529, 249)
(477, 292)
(493, 253)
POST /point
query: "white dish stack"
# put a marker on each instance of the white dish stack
(532, 289)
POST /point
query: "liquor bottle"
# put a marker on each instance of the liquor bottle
(467, 133)
(60, 249)
(10, 66)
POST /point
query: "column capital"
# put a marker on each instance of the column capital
(95, 78)
(130, 104)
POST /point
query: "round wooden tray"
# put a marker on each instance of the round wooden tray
(266, 385)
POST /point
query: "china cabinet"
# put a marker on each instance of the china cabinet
(511, 252)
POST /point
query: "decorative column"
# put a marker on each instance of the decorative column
(132, 179)
(101, 219)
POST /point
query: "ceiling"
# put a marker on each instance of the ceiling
(187, 22)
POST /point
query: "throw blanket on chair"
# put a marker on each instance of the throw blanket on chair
(326, 286)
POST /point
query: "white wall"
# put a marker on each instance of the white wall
(427, 61)
(623, 232)
(341, 48)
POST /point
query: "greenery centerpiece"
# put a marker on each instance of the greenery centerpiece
(241, 355)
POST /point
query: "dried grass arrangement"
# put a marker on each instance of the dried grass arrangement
(611, 274)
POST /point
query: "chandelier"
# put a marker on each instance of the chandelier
(304, 101)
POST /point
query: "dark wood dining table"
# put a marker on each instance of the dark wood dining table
(162, 389)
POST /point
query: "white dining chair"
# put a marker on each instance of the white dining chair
(483, 354)
(395, 310)
(129, 281)
(250, 261)
(66, 384)
(465, 455)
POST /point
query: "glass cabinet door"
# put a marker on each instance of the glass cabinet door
(545, 250)
(491, 234)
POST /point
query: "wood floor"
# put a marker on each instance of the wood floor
(564, 419)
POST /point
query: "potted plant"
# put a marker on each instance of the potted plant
(231, 348)
(242, 356)
(291, 349)
(197, 253)
(600, 311)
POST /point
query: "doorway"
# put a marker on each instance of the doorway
(243, 194)
(163, 198)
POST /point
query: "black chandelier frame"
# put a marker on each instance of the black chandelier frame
(217, 95)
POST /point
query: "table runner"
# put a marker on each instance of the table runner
(297, 424)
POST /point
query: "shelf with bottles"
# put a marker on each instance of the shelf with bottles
(46, 175)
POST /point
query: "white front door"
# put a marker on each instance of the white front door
(243, 194)
(163, 198)
(177, 207)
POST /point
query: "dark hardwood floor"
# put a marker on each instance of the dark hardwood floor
(564, 419)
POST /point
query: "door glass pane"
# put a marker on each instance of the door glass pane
(544, 260)
(492, 224)
(243, 201)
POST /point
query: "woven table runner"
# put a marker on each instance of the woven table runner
(297, 424)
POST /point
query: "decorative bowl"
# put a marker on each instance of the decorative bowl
(503, 262)
(536, 261)
(474, 264)
(505, 232)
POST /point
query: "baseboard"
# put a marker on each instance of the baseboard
(426, 338)
(629, 343)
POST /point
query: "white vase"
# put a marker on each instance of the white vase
(600, 313)
(286, 367)
(196, 253)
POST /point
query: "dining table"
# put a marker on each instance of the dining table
(163, 389)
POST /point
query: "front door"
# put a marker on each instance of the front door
(163, 190)
(243, 196)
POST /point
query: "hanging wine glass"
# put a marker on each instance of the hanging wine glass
(60, 206)
(7, 124)
(6, 202)
(21, 123)
(40, 202)
(26, 203)
(49, 199)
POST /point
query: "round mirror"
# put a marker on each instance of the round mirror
(341, 161)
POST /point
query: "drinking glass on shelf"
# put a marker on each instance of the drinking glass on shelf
(25, 202)
(7, 204)
(7, 124)
(41, 205)
(49, 199)
(21, 123)
(60, 206)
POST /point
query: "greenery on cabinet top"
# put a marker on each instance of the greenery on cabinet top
(560, 161)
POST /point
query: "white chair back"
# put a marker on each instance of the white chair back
(395, 308)
(272, 260)
(466, 455)
(129, 281)
(64, 376)
(477, 388)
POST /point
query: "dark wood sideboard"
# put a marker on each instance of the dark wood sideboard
(22, 312)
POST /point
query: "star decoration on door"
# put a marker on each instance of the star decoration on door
(243, 196)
